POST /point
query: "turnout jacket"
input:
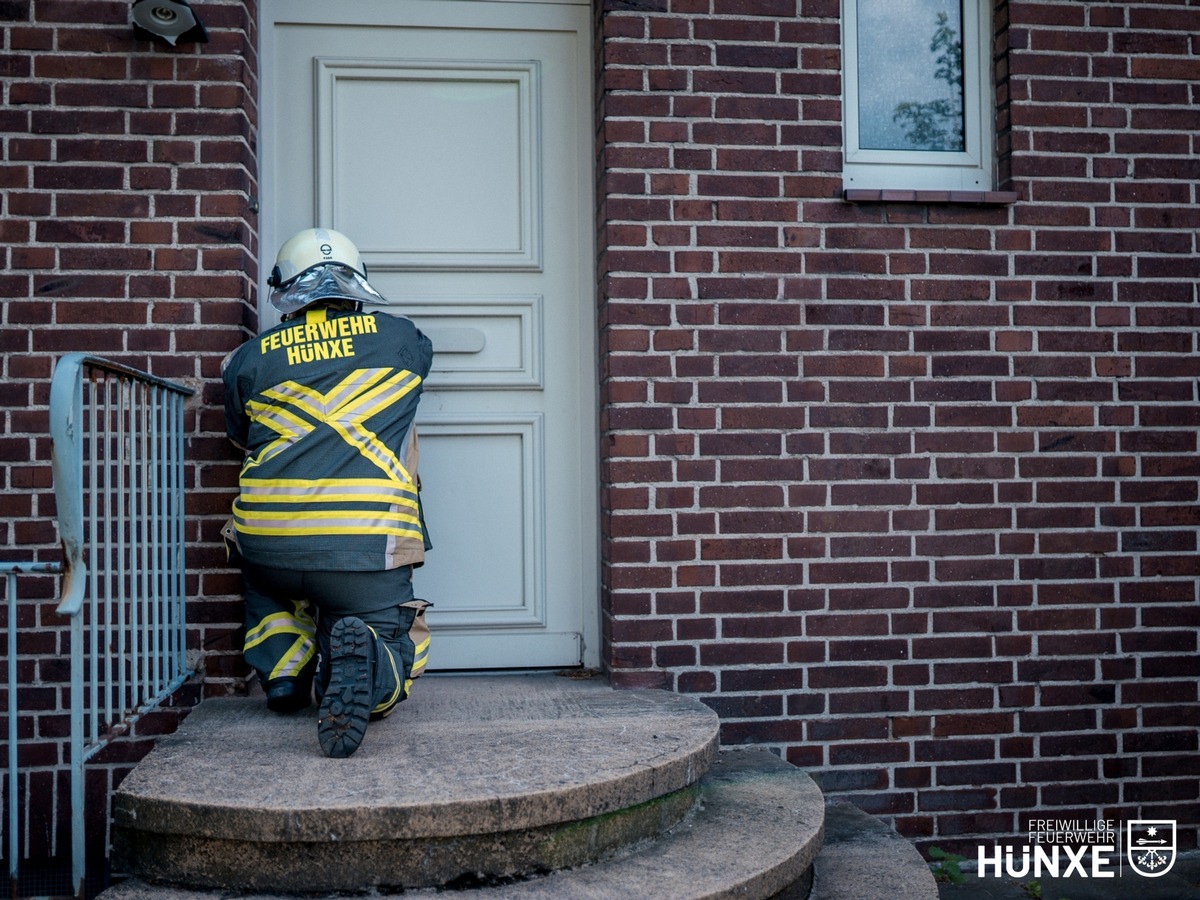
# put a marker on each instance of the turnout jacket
(323, 405)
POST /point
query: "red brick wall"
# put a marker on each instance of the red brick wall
(128, 179)
(909, 491)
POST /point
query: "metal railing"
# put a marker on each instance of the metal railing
(117, 437)
(9, 571)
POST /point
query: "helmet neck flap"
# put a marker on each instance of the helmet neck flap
(325, 282)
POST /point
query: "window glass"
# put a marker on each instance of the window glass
(910, 75)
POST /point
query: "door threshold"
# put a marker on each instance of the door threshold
(577, 674)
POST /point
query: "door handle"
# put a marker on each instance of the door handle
(457, 340)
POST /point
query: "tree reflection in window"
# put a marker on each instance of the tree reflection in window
(910, 98)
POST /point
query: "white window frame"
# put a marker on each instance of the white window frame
(969, 170)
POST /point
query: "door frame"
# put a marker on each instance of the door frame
(553, 15)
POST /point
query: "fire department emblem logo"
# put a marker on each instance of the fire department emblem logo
(1150, 846)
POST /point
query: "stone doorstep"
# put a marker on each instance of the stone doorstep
(865, 859)
(499, 775)
(456, 863)
(756, 831)
(462, 756)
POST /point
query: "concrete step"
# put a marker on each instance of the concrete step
(509, 786)
(472, 779)
(865, 859)
(753, 834)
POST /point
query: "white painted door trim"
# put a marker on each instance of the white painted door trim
(461, 337)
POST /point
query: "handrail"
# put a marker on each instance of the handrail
(66, 458)
(66, 432)
(124, 580)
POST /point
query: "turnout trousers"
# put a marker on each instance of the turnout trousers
(290, 614)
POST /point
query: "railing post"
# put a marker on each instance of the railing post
(78, 863)
(9, 572)
(10, 584)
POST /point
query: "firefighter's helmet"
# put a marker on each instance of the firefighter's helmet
(310, 248)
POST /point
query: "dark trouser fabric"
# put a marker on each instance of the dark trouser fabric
(290, 614)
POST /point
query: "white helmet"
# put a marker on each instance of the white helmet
(314, 247)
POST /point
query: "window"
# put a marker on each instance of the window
(918, 111)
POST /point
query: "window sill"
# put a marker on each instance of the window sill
(985, 198)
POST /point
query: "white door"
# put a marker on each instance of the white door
(451, 142)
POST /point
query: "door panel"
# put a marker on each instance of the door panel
(451, 142)
(484, 343)
(462, 136)
(507, 549)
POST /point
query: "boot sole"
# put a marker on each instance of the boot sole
(346, 706)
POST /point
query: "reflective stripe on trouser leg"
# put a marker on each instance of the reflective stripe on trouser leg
(398, 661)
(280, 638)
(420, 657)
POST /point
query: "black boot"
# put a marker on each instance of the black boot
(346, 705)
(286, 695)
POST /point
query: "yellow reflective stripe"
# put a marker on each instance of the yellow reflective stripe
(358, 397)
(285, 394)
(380, 397)
(295, 531)
(296, 658)
(266, 453)
(320, 482)
(300, 394)
(297, 622)
(319, 406)
(331, 490)
(369, 446)
(282, 622)
(278, 623)
(347, 420)
(324, 514)
(395, 697)
(328, 498)
(392, 700)
(277, 418)
(311, 398)
(353, 386)
(420, 657)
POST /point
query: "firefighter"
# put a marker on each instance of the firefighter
(328, 523)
